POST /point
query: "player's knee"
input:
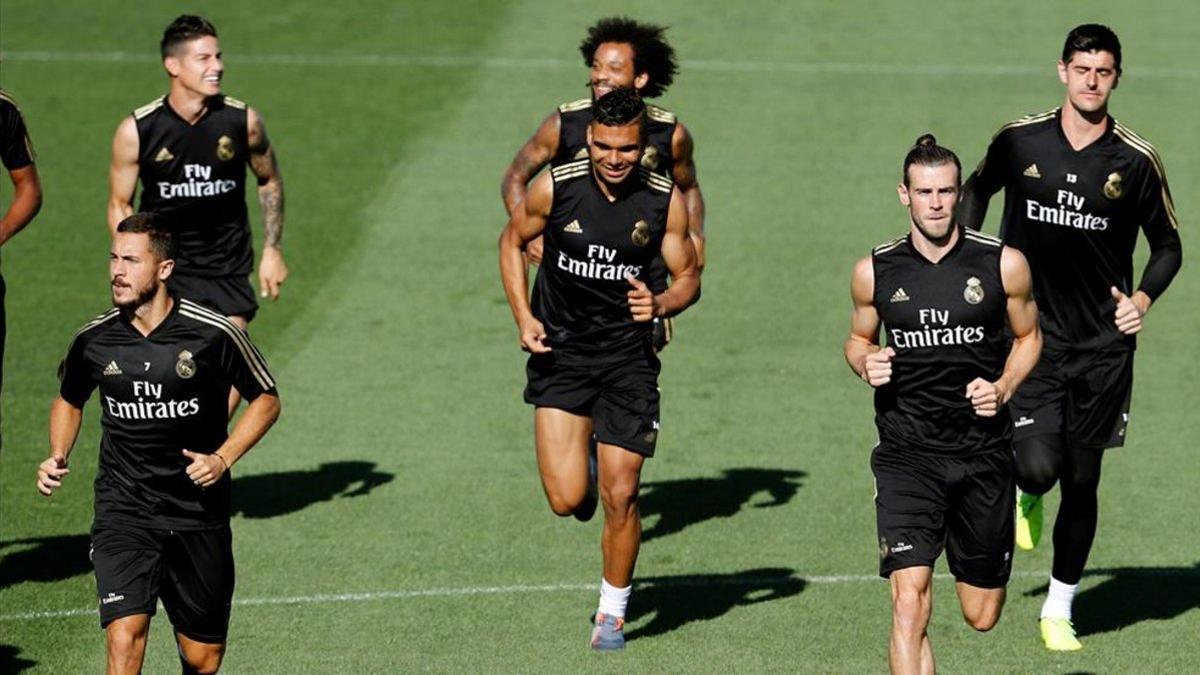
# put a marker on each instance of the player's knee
(126, 644)
(910, 610)
(561, 506)
(1038, 462)
(983, 620)
(619, 495)
(202, 659)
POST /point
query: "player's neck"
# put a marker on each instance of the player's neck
(189, 105)
(933, 250)
(610, 191)
(146, 317)
(1083, 128)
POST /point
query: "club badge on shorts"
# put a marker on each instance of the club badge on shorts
(185, 367)
(224, 148)
(973, 293)
(1113, 188)
(641, 233)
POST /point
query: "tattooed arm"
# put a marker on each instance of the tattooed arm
(535, 154)
(272, 271)
(685, 180)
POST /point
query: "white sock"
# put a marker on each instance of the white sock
(613, 600)
(1059, 599)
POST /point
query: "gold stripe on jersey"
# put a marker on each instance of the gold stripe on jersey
(254, 359)
(889, 245)
(660, 114)
(581, 104)
(1143, 146)
(654, 181)
(571, 170)
(149, 107)
(101, 319)
(5, 97)
(234, 103)
(1026, 121)
(982, 238)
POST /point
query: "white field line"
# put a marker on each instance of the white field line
(330, 598)
(463, 61)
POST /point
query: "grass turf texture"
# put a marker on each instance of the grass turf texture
(404, 460)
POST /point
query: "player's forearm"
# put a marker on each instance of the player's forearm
(65, 420)
(695, 210)
(27, 201)
(254, 423)
(972, 206)
(512, 189)
(683, 292)
(514, 275)
(118, 210)
(1161, 268)
(1021, 359)
(270, 199)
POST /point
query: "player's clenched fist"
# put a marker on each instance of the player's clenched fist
(50, 474)
(533, 336)
(986, 397)
(641, 300)
(205, 469)
(878, 367)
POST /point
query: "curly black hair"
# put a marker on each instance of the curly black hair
(619, 107)
(651, 52)
(185, 28)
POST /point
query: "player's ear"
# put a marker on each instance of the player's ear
(165, 268)
(1062, 72)
(903, 193)
(589, 134)
(172, 65)
(640, 81)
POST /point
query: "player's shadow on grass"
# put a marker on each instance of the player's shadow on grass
(276, 494)
(10, 662)
(688, 501)
(677, 601)
(1130, 595)
(44, 559)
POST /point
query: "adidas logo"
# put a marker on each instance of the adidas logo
(164, 155)
(112, 368)
(899, 296)
(1032, 171)
(573, 227)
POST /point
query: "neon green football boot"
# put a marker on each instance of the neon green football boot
(1059, 635)
(1029, 520)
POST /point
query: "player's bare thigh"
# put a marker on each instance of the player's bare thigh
(562, 454)
(980, 606)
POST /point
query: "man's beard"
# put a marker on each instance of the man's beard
(140, 298)
(928, 233)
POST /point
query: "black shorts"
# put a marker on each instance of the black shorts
(924, 502)
(231, 296)
(191, 571)
(1082, 396)
(621, 397)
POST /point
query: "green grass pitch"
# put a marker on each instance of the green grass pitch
(393, 521)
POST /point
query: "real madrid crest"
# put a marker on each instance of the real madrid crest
(1112, 187)
(641, 233)
(224, 148)
(650, 158)
(185, 367)
(883, 548)
(973, 293)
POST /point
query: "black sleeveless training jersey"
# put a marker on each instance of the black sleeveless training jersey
(574, 119)
(1075, 215)
(590, 246)
(195, 175)
(946, 323)
(161, 394)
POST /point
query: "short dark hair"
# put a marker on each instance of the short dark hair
(619, 107)
(926, 152)
(162, 240)
(185, 28)
(1092, 37)
(651, 52)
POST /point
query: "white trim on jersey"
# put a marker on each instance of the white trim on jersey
(254, 359)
